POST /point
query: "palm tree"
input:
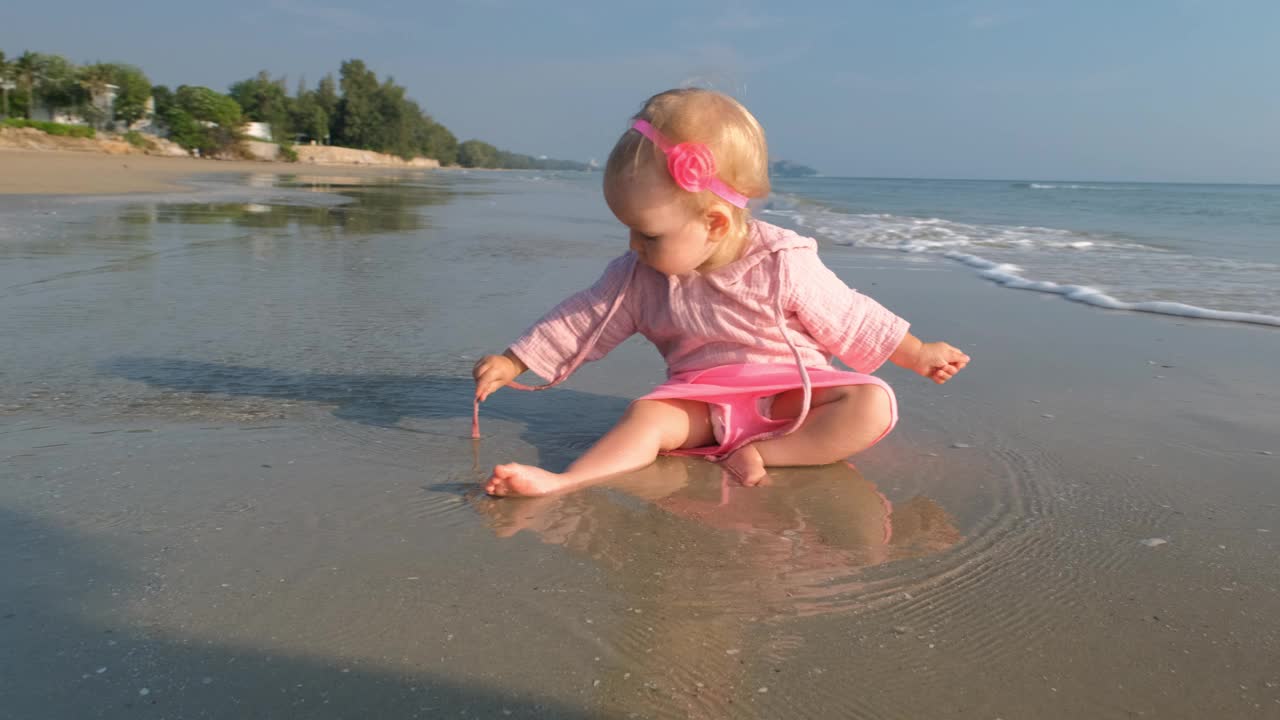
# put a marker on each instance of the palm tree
(25, 73)
(4, 83)
(96, 81)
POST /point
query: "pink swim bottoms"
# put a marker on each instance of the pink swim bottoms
(741, 397)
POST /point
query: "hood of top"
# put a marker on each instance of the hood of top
(763, 240)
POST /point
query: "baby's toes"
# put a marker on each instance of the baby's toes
(498, 482)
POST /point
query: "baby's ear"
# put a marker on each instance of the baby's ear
(718, 223)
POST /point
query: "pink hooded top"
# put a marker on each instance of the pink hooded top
(722, 317)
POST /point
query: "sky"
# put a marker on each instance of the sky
(1157, 90)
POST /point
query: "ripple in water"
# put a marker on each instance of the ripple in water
(704, 564)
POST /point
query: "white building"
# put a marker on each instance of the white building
(257, 130)
(104, 102)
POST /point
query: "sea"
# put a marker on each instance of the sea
(1190, 250)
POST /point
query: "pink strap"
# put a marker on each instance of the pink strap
(690, 176)
(805, 384)
(652, 133)
(578, 359)
(779, 319)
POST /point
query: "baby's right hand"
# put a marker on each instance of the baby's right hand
(939, 361)
(495, 371)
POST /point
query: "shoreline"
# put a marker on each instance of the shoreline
(79, 172)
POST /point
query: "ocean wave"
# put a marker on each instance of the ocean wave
(1146, 278)
(1066, 186)
(909, 234)
(1007, 274)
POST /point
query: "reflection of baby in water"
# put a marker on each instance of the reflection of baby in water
(810, 521)
(718, 568)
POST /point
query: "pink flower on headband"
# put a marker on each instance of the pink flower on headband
(692, 166)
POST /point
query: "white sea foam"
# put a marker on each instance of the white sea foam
(1008, 275)
(1100, 270)
(1070, 186)
(908, 234)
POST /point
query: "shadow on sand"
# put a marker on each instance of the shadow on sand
(69, 650)
(559, 423)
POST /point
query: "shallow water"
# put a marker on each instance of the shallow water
(236, 436)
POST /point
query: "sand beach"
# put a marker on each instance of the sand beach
(53, 172)
(238, 480)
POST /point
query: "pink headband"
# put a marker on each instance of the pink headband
(691, 165)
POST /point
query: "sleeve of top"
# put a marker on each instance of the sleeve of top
(551, 343)
(846, 323)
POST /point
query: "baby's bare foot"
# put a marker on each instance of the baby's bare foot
(746, 466)
(516, 479)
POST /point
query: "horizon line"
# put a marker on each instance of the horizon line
(823, 176)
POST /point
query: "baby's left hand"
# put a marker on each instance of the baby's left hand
(939, 361)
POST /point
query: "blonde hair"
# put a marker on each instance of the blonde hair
(705, 116)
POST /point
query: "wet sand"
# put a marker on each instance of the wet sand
(238, 483)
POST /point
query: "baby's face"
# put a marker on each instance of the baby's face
(666, 233)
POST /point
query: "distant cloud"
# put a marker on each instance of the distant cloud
(331, 18)
(735, 20)
(744, 22)
(989, 18)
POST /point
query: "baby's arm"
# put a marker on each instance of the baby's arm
(859, 330)
(937, 361)
(550, 344)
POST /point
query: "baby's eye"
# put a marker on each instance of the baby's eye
(650, 238)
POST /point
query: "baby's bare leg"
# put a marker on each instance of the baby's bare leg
(842, 421)
(647, 428)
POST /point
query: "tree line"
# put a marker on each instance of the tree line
(354, 110)
(39, 78)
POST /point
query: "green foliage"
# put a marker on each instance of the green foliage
(357, 121)
(376, 116)
(184, 130)
(264, 100)
(138, 140)
(209, 106)
(134, 91)
(287, 153)
(94, 83)
(6, 74)
(199, 118)
(80, 131)
(163, 98)
(553, 164)
(60, 85)
(477, 154)
(308, 118)
(399, 117)
(353, 110)
(24, 71)
(327, 95)
(437, 142)
(56, 83)
(516, 161)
